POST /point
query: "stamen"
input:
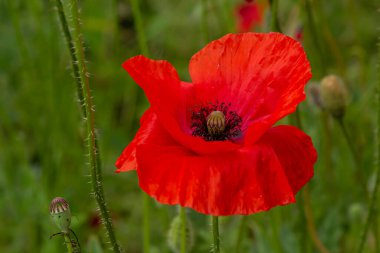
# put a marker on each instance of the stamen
(215, 122)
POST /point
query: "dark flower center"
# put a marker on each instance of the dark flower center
(215, 122)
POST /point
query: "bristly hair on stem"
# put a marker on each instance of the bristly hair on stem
(76, 49)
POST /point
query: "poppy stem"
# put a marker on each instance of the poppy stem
(68, 243)
(312, 231)
(275, 24)
(215, 231)
(143, 45)
(182, 213)
(81, 75)
(205, 30)
(350, 143)
(315, 35)
(146, 224)
(242, 230)
(373, 201)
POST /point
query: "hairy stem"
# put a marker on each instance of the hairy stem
(68, 243)
(76, 49)
(215, 232)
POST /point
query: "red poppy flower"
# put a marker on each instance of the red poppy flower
(210, 145)
(249, 15)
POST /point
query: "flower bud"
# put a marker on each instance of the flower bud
(334, 95)
(174, 235)
(60, 212)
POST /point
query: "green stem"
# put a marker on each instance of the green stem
(275, 24)
(311, 228)
(139, 27)
(315, 35)
(215, 232)
(143, 45)
(146, 224)
(182, 214)
(68, 243)
(350, 143)
(373, 200)
(74, 60)
(76, 49)
(242, 229)
(205, 30)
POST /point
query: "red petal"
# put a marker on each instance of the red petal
(127, 159)
(170, 99)
(295, 151)
(245, 181)
(149, 130)
(262, 75)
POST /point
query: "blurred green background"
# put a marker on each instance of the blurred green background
(42, 150)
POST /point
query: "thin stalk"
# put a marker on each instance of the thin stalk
(373, 201)
(76, 49)
(146, 224)
(275, 24)
(350, 143)
(143, 45)
(68, 243)
(74, 60)
(310, 221)
(204, 27)
(215, 232)
(297, 120)
(139, 27)
(315, 35)
(182, 213)
(242, 230)
(311, 228)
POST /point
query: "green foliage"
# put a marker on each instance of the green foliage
(42, 150)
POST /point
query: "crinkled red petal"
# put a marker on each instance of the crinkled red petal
(244, 181)
(171, 99)
(127, 159)
(295, 151)
(262, 75)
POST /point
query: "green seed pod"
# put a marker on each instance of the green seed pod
(334, 95)
(60, 212)
(174, 235)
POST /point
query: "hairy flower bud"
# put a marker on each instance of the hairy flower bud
(60, 212)
(174, 235)
(334, 95)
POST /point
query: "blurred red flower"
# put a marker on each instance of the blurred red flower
(249, 15)
(210, 145)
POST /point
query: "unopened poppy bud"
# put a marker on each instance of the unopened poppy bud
(175, 232)
(334, 95)
(216, 122)
(60, 212)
